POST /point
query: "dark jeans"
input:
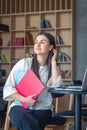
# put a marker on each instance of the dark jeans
(25, 119)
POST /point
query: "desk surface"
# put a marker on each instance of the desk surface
(64, 91)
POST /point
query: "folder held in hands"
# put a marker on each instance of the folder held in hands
(28, 85)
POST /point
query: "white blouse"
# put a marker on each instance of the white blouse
(44, 100)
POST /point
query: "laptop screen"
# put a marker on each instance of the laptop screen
(84, 82)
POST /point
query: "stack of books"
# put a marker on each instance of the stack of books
(59, 40)
(45, 23)
(63, 57)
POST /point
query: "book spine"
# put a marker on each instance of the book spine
(42, 23)
(29, 39)
(3, 58)
(47, 24)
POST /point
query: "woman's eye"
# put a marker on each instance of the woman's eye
(35, 42)
(42, 42)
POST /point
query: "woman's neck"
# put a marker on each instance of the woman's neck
(42, 60)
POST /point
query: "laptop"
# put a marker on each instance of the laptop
(73, 87)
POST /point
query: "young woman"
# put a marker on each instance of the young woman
(45, 67)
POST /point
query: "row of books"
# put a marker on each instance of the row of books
(63, 57)
(2, 58)
(17, 41)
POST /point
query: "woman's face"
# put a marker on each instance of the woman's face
(42, 45)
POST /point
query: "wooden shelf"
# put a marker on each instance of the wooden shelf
(26, 15)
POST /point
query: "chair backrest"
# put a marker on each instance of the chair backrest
(59, 103)
(7, 120)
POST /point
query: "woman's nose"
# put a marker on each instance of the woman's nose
(38, 44)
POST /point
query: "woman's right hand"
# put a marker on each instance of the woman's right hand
(30, 100)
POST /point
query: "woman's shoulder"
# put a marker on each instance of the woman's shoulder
(23, 63)
(25, 60)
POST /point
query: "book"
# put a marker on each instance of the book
(59, 40)
(42, 23)
(47, 24)
(29, 38)
(4, 27)
(28, 84)
(3, 58)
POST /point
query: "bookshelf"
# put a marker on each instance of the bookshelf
(26, 15)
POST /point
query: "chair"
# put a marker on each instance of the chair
(3, 106)
(69, 114)
(7, 120)
(69, 119)
(55, 122)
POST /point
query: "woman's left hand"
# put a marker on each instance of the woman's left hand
(55, 55)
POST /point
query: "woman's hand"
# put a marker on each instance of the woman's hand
(55, 55)
(30, 100)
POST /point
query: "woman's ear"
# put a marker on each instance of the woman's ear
(51, 47)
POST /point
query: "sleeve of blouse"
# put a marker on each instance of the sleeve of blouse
(57, 83)
(9, 87)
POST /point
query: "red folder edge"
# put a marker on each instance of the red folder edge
(29, 85)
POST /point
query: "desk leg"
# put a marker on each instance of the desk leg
(78, 100)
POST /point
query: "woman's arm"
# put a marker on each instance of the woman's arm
(55, 72)
(28, 100)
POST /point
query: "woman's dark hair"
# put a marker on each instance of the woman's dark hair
(35, 66)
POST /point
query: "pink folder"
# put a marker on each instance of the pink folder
(29, 85)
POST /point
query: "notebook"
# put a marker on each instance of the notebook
(82, 87)
(28, 84)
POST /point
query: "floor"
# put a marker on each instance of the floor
(70, 128)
